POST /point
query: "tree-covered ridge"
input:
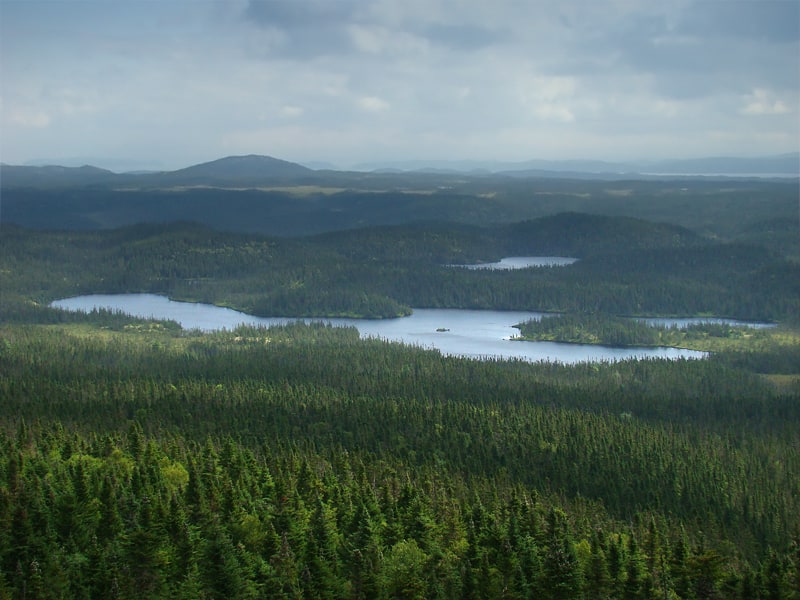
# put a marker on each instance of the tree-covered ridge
(754, 212)
(627, 267)
(137, 459)
(620, 331)
(302, 461)
(132, 516)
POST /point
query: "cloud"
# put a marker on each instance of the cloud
(373, 104)
(555, 112)
(549, 98)
(695, 49)
(439, 78)
(292, 111)
(468, 37)
(301, 14)
(29, 118)
(316, 28)
(762, 102)
(771, 21)
(306, 28)
(378, 40)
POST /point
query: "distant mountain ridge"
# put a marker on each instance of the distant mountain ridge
(255, 170)
(779, 165)
(53, 175)
(247, 168)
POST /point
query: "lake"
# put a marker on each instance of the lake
(468, 333)
(522, 262)
(683, 323)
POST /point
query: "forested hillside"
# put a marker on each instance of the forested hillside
(626, 267)
(138, 461)
(268, 196)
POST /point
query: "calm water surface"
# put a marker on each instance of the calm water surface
(467, 333)
(523, 262)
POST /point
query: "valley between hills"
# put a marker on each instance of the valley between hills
(304, 461)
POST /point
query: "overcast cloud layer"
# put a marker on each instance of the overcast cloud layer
(167, 84)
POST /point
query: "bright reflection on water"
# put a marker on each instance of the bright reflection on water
(683, 323)
(522, 262)
(456, 332)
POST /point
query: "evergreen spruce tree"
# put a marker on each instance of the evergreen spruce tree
(219, 567)
(616, 566)
(679, 566)
(363, 555)
(598, 578)
(562, 575)
(634, 572)
(322, 579)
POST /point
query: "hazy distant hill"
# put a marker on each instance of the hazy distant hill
(271, 196)
(542, 167)
(53, 176)
(232, 171)
(780, 165)
(257, 171)
(250, 169)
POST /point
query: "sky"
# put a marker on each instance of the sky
(165, 84)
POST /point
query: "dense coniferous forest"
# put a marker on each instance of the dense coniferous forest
(627, 266)
(258, 198)
(304, 462)
(140, 460)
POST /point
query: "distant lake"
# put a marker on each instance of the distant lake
(794, 175)
(522, 262)
(683, 323)
(478, 334)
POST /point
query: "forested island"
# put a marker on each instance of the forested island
(142, 460)
(620, 331)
